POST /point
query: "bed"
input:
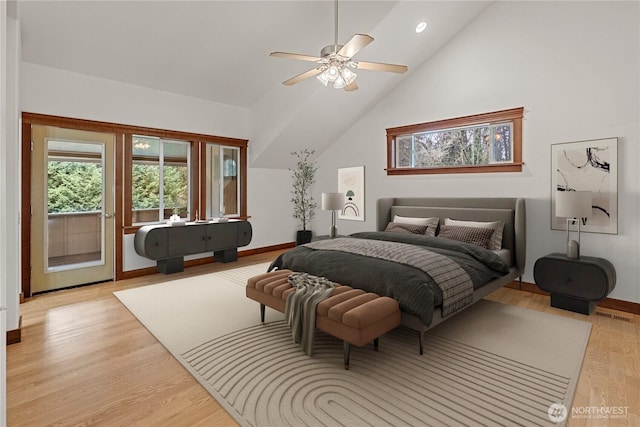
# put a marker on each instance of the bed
(405, 260)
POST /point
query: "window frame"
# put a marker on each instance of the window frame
(162, 161)
(514, 116)
(122, 177)
(197, 174)
(240, 167)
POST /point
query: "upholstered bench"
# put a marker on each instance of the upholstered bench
(352, 315)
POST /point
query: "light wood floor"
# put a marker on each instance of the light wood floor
(85, 360)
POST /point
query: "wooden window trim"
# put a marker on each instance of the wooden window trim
(202, 203)
(514, 115)
(124, 162)
(97, 126)
(119, 203)
(127, 177)
(129, 227)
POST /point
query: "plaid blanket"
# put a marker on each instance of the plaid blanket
(453, 281)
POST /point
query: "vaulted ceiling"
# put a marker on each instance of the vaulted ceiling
(219, 51)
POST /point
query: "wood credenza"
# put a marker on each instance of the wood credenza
(168, 245)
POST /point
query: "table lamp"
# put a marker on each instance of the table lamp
(332, 202)
(573, 205)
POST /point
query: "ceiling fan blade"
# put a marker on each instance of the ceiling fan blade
(355, 45)
(379, 66)
(350, 88)
(293, 80)
(295, 56)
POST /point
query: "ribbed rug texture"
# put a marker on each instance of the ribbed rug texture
(490, 365)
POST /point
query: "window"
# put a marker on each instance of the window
(222, 183)
(160, 179)
(74, 177)
(490, 142)
(151, 173)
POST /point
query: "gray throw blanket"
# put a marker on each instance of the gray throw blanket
(453, 281)
(300, 306)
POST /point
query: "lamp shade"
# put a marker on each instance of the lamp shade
(332, 201)
(573, 204)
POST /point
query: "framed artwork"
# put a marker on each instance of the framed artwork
(351, 184)
(587, 166)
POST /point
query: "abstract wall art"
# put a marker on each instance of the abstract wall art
(351, 184)
(587, 166)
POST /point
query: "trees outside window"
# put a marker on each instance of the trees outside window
(160, 179)
(490, 142)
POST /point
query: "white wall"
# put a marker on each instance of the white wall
(9, 189)
(11, 213)
(47, 90)
(3, 197)
(574, 66)
(52, 91)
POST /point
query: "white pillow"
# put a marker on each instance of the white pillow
(495, 244)
(431, 223)
(416, 221)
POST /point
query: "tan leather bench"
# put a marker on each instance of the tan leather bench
(353, 315)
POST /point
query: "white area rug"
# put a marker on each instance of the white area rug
(492, 364)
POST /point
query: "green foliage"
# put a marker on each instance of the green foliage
(146, 187)
(74, 187)
(77, 187)
(303, 177)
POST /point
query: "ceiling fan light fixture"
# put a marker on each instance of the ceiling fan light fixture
(335, 66)
(339, 83)
(339, 74)
(323, 78)
(332, 73)
(348, 75)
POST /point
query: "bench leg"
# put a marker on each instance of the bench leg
(376, 343)
(347, 350)
(421, 341)
(262, 309)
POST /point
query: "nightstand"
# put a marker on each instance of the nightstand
(575, 284)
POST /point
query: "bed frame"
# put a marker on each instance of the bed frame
(509, 210)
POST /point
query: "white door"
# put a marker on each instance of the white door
(72, 201)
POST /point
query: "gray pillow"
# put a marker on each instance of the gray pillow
(397, 227)
(431, 223)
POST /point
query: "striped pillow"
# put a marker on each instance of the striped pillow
(478, 236)
(397, 227)
(431, 223)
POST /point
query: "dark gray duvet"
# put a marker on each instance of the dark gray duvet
(414, 289)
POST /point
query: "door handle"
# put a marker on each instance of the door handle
(107, 215)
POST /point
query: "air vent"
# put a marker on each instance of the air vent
(613, 316)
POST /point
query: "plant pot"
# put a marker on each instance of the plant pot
(303, 236)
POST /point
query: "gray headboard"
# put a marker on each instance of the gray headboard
(509, 210)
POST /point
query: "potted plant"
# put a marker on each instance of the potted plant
(304, 207)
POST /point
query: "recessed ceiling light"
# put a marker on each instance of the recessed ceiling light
(421, 26)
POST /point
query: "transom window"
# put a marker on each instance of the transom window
(490, 142)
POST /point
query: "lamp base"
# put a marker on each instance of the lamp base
(573, 249)
(333, 231)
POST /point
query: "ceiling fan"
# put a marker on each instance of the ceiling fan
(335, 63)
